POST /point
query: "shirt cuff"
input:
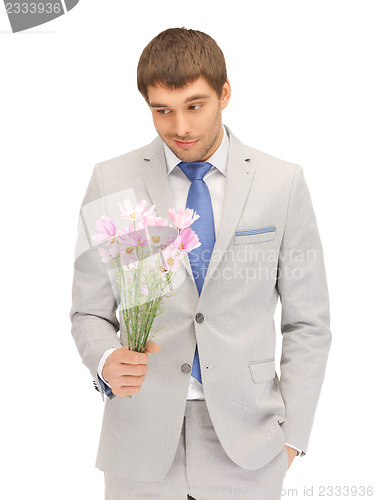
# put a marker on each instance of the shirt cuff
(295, 447)
(102, 360)
(106, 389)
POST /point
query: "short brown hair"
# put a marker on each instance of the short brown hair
(178, 56)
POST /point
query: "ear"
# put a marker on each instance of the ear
(225, 95)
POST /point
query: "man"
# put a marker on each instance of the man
(211, 418)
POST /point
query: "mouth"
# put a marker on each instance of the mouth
(186, 145)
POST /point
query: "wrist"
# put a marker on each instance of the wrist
(102, 362)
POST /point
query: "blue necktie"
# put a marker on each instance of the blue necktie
(199, 200)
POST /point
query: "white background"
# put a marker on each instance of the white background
(302, 76)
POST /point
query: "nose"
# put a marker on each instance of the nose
(182, 127)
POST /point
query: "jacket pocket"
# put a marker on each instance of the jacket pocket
(263, 370)
(258, 235)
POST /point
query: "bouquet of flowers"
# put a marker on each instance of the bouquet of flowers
(130, 250)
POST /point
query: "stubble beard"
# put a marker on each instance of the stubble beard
(199, 155)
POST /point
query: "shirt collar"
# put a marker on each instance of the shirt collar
(218, 159)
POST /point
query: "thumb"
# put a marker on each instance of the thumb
(152, 347)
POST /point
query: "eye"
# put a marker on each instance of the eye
(163, 111)
(195, 106)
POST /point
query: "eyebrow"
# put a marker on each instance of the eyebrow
(192, 98)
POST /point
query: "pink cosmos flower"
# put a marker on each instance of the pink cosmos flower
(134, 238)
(127, 255)
(183, 218)
(171, 258)
(187, 240)
(130, 266)
(107, 230)
(138, 213)
(161, 234)
(139, 224)
(154, 220)
(108, 255)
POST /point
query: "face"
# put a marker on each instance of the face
(189, 119)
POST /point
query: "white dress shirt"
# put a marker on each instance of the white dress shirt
(180, 185)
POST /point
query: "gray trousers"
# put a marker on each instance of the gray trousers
(203, 470)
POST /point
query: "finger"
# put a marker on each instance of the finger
(131, 357)
(132, 370)
(152, 347)
(127, 391)
(131, 381)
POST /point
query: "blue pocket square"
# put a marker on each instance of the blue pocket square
(258, 235)
(268, 229)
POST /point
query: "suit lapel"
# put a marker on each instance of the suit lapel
(155, 177)
(240, 173)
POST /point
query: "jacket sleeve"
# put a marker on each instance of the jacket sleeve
(93, 311)
(305, 316)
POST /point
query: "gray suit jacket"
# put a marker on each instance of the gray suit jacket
(268, 246)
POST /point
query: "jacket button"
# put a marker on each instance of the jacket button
(186, 368)
(199, 318)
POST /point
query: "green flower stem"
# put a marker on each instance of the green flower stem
(139, 317)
